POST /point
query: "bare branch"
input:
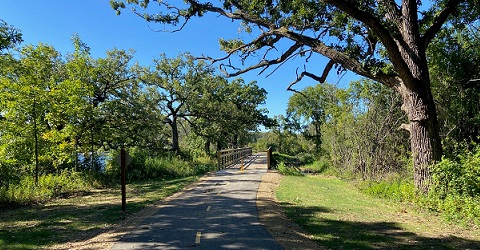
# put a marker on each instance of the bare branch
(300, 77)
(245, 49)
(279, 65)
(327, 69)
(267, 63)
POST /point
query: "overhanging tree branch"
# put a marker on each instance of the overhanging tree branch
(266, 63)
(438, 22)
(391, 40)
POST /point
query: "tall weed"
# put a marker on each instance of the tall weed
(398, 189)
(454, 194)
(49, 186)
(166, 166)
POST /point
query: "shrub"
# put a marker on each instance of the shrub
(288, 170)
(460, 177)
(146, 166)
(306, 158)
(455, 191)
(49, 187)
(321, 166)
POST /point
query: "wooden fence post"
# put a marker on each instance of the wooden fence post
(269, 158)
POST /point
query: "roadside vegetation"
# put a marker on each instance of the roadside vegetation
(349, 141)
(338, 216)
(405, 137)
(64, 119)
(356, 134)
(79, 217)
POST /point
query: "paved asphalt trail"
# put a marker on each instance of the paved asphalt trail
(218, 213)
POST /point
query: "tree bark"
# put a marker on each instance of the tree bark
(175, 145)
(424, 132)
(207, 147)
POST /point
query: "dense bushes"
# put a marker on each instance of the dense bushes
(166, 166)
(455, 190)
(460, 177)
(49, 186)
(288, 170)
(68, 182)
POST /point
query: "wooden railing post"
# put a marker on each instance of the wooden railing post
(269, 158)
(219, 159)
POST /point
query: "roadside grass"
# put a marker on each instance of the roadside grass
(78, 218)
(338, 216)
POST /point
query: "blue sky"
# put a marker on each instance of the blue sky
(55, 21)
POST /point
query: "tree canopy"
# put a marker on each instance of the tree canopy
(385, 41)
(9, 36)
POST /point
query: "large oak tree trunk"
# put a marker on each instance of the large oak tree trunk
(417, 97)
(175, 144)
(424, 133)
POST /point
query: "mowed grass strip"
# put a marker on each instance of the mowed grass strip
(338, 216)
(79, 218)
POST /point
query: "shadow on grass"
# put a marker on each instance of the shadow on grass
(339, 234)
(78, 218)
(38, 226)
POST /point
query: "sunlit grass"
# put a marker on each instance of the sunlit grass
(77, 218)
(338, 216)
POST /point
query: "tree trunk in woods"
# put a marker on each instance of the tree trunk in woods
(425, 140)
(235, 141)
(207, 147)
(175, 145)
(410, 61)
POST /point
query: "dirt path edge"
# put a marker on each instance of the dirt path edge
(284, 231)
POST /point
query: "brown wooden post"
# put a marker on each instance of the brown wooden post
(123, 167)
(269, 158)
(219, 157)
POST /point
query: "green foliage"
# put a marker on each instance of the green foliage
(397, 189)
(307, 111)
(320, 166)
(146, 166)
(286, 159)
(283, 139)
(288, 170)
(455, 191)
(49, 186)
(361, 133)
(456, 188)
(458, 177)
(454, 60)
(9, 36)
